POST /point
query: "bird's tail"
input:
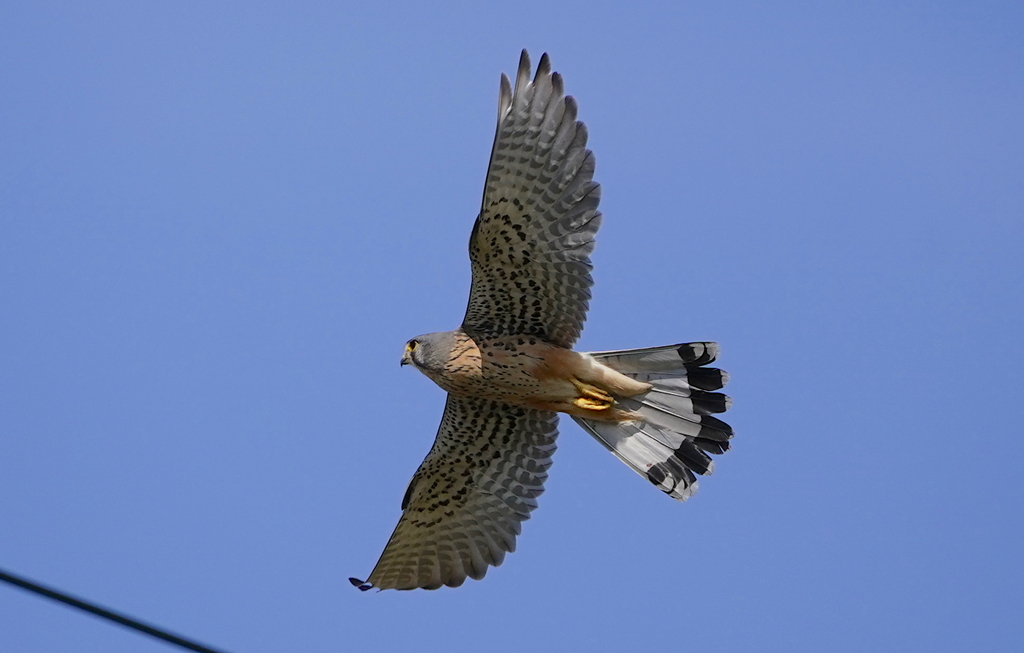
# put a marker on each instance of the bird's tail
(671, 443)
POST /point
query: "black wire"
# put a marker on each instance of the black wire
(106, 614)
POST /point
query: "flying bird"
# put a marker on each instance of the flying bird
(510, 368)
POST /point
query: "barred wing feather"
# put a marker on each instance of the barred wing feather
(531, 244)
(465, 503)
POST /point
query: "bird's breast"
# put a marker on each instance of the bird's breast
(519, 370)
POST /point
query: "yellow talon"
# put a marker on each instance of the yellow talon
(591, 404)
(591, 398)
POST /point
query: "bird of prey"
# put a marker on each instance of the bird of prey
(510, 368)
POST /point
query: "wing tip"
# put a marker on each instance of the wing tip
(523, 74)
(558, 84)
(543, 67)
(572, 110)
(504, 97)
(361, 585)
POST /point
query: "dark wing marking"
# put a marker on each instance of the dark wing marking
(531, 244)
(463, 509)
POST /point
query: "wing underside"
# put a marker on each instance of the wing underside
(466, 502)
(531, 244)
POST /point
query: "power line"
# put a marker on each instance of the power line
(116, 617)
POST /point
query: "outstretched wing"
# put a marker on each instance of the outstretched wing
(530, 247)
(465, 503)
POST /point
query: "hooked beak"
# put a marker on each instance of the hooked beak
(406, 359)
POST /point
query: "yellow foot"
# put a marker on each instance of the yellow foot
(591, 398)
(590, 404)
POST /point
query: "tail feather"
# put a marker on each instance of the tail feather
(652, 360)
(670, 444)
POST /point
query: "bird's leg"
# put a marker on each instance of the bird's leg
(591, 397)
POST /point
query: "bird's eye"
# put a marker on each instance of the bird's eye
(411, 345)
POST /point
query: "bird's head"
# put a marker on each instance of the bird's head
(429, 352)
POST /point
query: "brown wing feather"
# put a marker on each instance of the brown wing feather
(531, 244)
(463, 509)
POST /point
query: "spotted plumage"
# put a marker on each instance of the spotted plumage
(510, 369)
(463, 508)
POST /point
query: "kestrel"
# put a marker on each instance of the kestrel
(510, 368)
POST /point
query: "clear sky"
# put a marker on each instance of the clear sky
(220, 222)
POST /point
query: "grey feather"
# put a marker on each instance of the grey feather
(465, 504)
(532, 241)
(669, 445)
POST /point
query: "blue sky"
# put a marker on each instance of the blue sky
(220, 222)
